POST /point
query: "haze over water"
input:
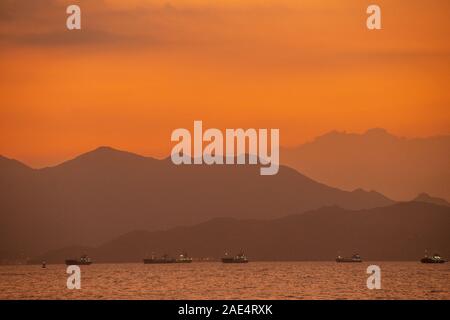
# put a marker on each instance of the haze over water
(213, 280)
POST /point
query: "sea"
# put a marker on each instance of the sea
(215, 280)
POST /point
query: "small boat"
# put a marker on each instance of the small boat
(240, 258)
(435, 258)
(83, 261)
(355, 258)
(164, 259)
(184, 258)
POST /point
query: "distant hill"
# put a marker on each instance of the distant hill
(376, 160)
(424, 197)
(104, 193)
(399, 232)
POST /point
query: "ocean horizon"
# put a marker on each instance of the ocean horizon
(215, 281)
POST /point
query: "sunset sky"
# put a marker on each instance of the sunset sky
(139, 69)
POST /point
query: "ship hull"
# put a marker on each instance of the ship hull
(349, 260)
(231, 260)
(430, 260)
(77, 263)
(184, 261)
(159, 261)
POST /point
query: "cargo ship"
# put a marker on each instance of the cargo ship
(164, 259)
(184, 258)
(435, 258)
(354, 258)
(83, 261)
(240, 258)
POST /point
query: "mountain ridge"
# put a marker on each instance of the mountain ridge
(397, 167)
(401, 231)
(106, 192)
(425, 197)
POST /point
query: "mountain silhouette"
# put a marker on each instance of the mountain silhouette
(424, 197)
(399, 168)
(104, 193)
(399, 232)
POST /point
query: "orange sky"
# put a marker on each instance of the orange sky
(139, 69)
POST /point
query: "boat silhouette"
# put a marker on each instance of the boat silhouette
(435, 258)
(83, 261)
(163, 259)
(239, 258)
(355, 258)
(184, 258)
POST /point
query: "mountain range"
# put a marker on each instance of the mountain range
(402, 231)
(104, 193)
(399, 168)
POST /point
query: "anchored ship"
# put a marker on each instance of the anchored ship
(184, 258)
(83, 261)
(435, 258)
(240, 258)
(164, 259)
(355, 258)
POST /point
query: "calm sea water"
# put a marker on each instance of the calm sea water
(213, 280)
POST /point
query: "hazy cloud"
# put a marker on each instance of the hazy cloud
(283, 33)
